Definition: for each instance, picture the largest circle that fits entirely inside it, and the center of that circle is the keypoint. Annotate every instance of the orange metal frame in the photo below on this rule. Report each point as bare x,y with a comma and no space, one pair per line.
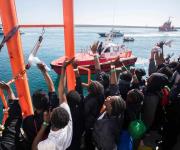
88,71
14,45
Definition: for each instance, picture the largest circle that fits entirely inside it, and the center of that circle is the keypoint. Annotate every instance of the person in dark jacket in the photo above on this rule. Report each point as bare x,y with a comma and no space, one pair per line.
41,102
108,126
172,130
125,83
10,135
92,106
75,101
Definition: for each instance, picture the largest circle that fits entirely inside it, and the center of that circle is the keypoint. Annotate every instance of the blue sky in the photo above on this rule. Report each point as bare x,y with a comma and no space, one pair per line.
117,12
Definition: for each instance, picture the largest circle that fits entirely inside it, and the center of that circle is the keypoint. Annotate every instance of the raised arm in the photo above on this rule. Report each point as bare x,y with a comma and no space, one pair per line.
113,79
78,87
41,132
61,88
7,88
47,78
13,123
94,48
114,88
134,77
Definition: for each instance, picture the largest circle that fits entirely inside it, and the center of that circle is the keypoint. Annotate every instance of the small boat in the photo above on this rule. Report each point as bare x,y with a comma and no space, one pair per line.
128,39
167,27
108,54
112,33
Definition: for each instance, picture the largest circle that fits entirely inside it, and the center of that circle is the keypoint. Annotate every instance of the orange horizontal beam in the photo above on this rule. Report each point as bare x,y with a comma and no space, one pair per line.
41,25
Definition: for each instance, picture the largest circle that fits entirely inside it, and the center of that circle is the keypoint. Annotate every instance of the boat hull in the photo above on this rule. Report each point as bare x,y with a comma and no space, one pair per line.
161,29
112,34
128,40
87,61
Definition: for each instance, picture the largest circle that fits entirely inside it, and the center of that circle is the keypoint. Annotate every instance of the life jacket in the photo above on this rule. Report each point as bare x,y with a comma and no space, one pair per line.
165,92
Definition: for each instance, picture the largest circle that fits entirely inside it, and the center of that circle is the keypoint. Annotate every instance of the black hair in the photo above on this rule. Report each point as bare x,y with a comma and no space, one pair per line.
161,66
172,65
140,73
136,95
126,76
106,81
118,106
96,88
40,100
156,82
59,118
73,98
167,71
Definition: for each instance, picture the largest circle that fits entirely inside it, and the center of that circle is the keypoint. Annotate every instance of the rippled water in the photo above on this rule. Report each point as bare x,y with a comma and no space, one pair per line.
53,47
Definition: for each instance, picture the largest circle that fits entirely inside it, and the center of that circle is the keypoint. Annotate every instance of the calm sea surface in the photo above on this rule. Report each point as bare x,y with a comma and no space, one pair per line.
53,47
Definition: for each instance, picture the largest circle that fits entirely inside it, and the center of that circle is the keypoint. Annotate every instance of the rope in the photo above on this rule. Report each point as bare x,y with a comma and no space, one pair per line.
9,36
17,77
36,47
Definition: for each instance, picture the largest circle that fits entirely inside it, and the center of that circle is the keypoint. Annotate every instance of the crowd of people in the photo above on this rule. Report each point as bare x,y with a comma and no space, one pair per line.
122,110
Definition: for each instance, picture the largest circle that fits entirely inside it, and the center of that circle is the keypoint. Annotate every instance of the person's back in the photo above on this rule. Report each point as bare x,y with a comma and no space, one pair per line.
60,134
125,84
32,124
171,130
76,105
152,99
41,102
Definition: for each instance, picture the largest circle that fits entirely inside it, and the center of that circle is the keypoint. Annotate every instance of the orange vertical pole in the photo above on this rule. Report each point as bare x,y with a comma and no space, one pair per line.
69,39
9,21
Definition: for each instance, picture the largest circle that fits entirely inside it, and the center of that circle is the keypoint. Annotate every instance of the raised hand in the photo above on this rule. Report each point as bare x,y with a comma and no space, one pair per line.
4,86
94,47
132,71
74,64
46,116
67,62
159,58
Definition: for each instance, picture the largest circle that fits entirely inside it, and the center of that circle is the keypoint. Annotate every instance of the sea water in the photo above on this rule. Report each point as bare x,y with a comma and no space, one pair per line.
53,47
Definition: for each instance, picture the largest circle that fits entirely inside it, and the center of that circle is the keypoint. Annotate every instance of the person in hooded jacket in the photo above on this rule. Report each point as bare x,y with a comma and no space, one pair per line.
152,98
172,130
92,106
108,125
10,134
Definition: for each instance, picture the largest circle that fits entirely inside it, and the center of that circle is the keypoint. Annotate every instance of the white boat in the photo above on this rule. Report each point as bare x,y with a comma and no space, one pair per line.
112,33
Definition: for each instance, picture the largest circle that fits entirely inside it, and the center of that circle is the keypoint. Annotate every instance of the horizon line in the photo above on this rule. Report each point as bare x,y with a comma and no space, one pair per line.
116,26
